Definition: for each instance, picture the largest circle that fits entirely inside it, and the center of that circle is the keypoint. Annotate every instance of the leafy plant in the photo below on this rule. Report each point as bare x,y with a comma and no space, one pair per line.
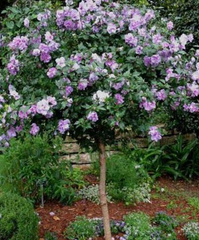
165,222
137,226
50,236
32,168
17,218
91,193
81,229
180,158
194,202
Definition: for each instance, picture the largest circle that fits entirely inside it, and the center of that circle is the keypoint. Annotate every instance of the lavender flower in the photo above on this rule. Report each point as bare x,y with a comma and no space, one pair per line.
43,107
119,99
92,116
154,134
52,72
63,126
34,129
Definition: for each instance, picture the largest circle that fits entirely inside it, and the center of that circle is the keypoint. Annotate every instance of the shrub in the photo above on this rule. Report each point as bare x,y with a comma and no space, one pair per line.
33,163
18,220
191,230
126,179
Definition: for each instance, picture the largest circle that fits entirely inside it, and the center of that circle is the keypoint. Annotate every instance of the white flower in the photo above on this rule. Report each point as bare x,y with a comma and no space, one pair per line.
101,96
61,62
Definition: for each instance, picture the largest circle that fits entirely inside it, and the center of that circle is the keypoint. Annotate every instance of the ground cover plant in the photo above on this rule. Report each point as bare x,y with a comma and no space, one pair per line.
57,78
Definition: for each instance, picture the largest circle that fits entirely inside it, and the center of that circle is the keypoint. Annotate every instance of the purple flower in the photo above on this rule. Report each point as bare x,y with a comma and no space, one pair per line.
52,72
34,129
13,65
111,28
43,107
69,90
36,52
161,95
131,40
138,50
93,77
63,126
148,106
147,61
45,57
155,60
170,25
26,22
193,89
82,84
48,36
154,134
92,116
22,115
20,43
52,101
11,133
119,99
13,92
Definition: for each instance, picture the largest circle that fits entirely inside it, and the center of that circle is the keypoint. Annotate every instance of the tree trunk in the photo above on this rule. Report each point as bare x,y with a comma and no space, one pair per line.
102,191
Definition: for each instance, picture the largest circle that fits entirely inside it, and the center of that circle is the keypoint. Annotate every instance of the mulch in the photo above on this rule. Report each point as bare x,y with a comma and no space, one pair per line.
66,214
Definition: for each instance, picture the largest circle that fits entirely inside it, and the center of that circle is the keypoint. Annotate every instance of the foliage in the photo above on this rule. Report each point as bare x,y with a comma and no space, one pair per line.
166,7
50,236
194,202
137,226
182,158
167,223
126,179
184,122
178,160
81,229
91,193
191,230
76,84
18,220
29,165
186,19
140,193
116,226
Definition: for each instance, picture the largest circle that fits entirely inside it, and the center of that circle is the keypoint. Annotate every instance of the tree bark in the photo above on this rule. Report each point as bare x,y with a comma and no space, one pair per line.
102,192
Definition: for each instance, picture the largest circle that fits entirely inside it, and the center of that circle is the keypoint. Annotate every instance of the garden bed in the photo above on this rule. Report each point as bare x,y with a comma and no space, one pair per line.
170,196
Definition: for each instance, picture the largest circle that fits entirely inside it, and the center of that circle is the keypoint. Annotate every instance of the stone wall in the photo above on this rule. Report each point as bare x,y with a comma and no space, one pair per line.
80,158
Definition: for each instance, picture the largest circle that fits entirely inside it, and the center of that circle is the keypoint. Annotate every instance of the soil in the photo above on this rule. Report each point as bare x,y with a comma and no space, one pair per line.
168,195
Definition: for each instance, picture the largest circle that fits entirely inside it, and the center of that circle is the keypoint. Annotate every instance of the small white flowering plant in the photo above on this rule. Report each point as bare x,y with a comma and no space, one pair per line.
191,230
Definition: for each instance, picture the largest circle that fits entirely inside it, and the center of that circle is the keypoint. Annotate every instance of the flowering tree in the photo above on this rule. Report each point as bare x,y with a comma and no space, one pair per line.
91,70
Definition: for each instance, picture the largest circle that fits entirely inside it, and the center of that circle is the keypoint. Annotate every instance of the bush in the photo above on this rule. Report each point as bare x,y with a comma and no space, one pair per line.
33,163
18,220
126,179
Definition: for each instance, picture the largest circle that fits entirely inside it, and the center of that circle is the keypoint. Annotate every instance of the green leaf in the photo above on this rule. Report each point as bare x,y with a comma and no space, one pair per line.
10,24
